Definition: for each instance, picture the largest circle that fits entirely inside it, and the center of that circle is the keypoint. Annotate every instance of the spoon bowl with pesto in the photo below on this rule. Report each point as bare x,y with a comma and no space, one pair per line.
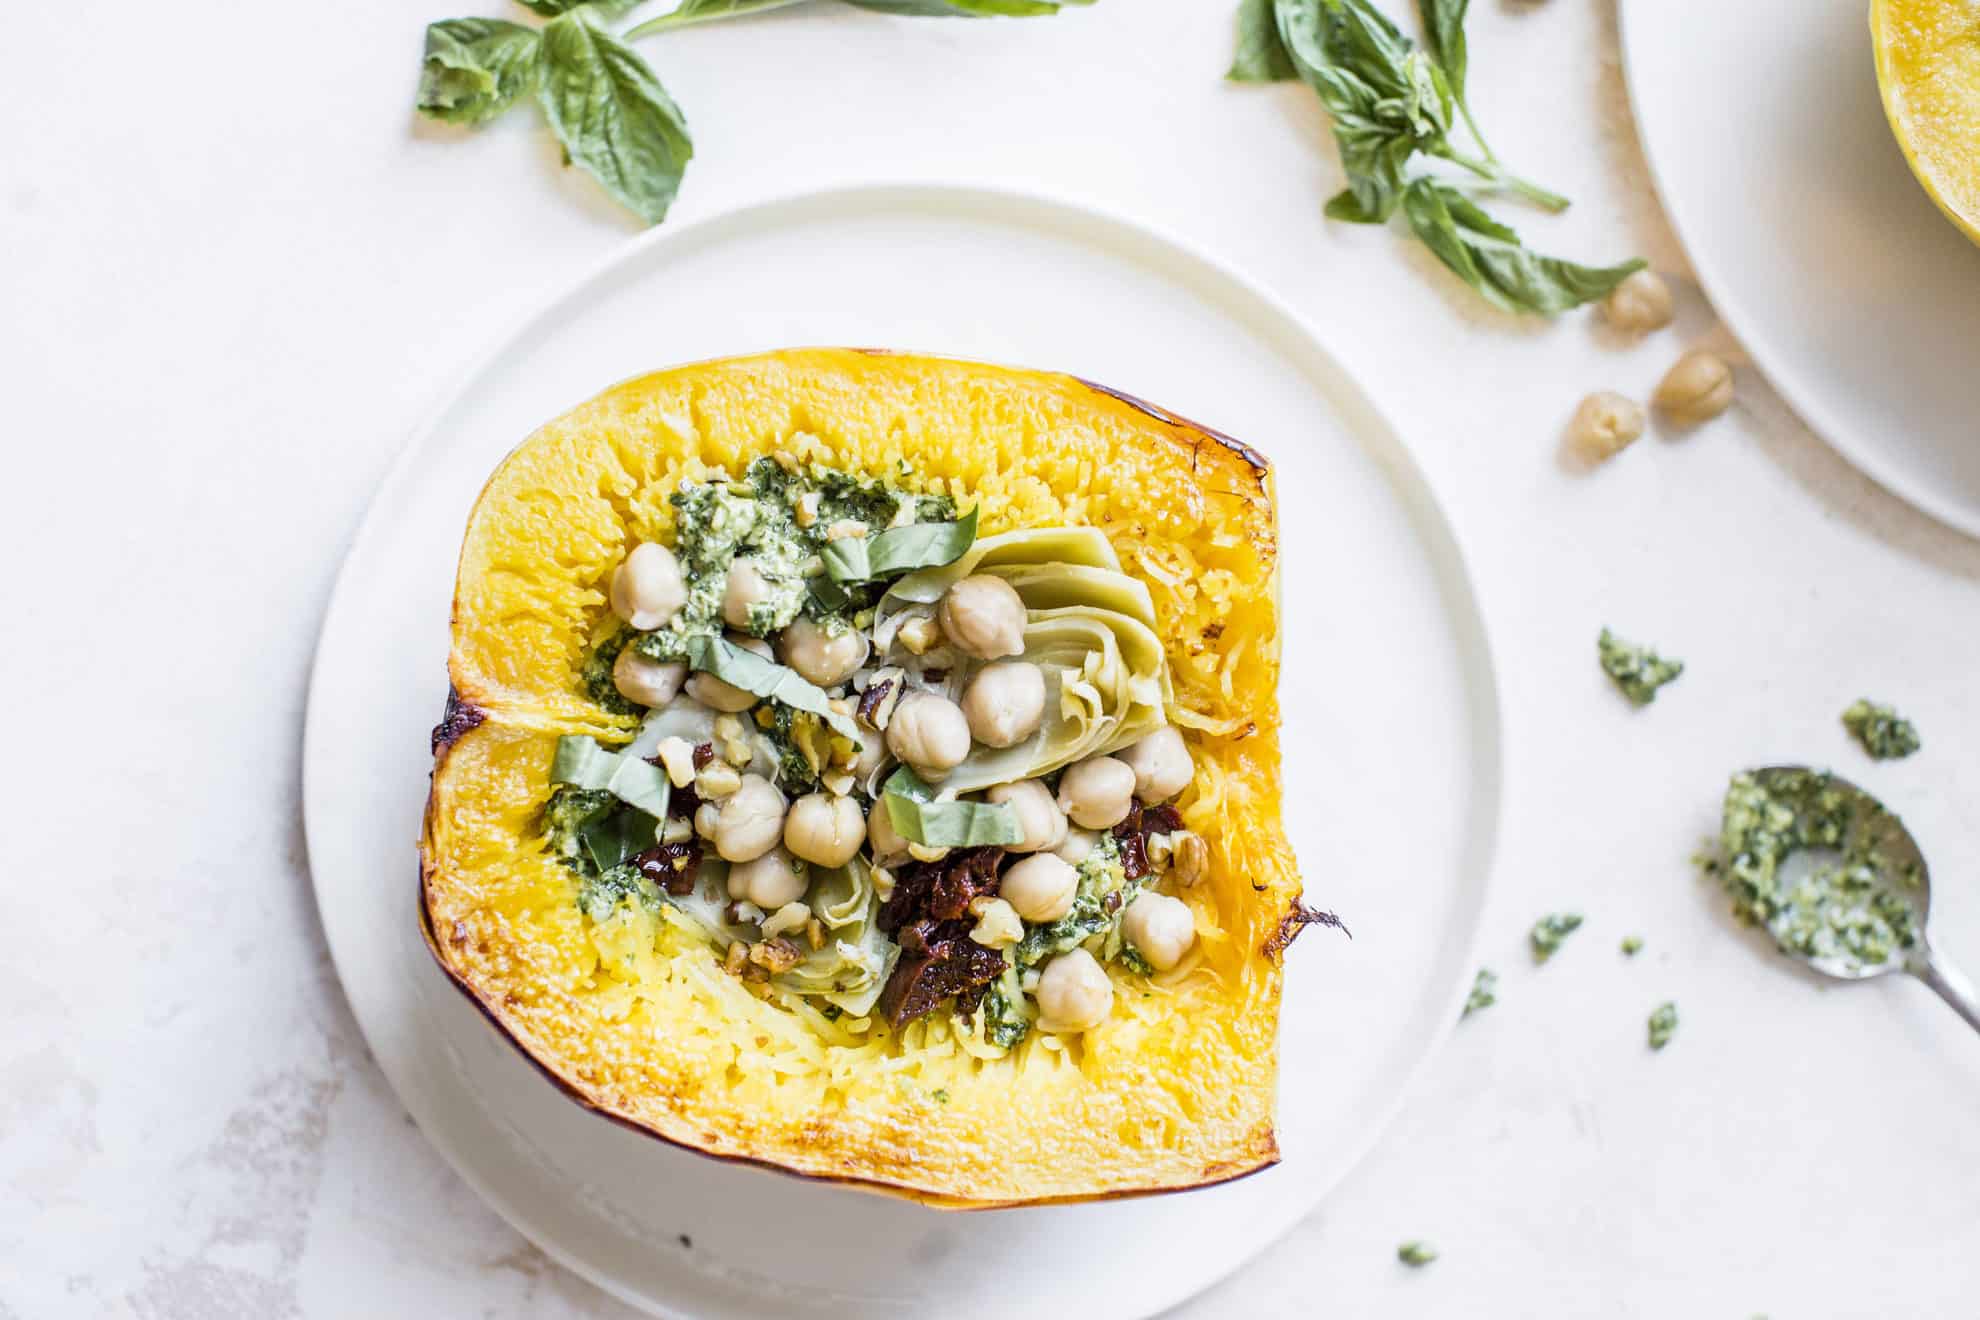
1835,878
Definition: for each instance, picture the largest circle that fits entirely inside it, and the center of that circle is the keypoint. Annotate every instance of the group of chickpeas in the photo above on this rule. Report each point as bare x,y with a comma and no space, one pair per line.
768,842
1696,389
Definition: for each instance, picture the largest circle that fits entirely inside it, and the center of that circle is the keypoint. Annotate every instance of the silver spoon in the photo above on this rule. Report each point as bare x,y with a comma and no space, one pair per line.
1873,830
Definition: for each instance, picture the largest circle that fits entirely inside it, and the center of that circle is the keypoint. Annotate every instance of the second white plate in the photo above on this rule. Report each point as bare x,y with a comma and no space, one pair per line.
1391,740
1859,300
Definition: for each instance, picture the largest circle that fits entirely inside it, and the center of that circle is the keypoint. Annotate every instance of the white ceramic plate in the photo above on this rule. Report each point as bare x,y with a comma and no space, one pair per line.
1391,739
1859,300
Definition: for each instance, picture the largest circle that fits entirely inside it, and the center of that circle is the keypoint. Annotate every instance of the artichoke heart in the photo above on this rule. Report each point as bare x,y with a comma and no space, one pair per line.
572,880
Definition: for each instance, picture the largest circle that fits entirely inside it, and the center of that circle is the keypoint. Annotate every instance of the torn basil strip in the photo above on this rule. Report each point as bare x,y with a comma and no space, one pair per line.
583,762
918,818
899,550
764,678
619,837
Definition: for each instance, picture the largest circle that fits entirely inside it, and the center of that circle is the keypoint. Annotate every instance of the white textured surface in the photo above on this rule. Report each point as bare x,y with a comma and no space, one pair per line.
236,271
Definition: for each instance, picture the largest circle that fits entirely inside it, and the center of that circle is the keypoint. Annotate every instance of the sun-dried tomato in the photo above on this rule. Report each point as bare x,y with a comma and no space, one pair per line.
671,865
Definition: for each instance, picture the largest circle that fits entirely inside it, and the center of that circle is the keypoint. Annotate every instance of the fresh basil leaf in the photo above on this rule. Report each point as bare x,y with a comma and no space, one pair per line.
583,762
899,550
1443,34
917,818
690,12
1488,255
475,68
619,838
612,115
640,783
1261,55
1347,206
1382,99
967,8
552,8
764,678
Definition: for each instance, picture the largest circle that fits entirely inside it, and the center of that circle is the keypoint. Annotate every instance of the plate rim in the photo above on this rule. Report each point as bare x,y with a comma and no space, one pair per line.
1789,383
1458,584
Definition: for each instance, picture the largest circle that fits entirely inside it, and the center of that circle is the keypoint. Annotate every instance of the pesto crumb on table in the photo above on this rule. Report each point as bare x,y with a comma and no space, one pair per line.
1885,734
1636,670
1416,1254
1663,1025
1484,992
1549,932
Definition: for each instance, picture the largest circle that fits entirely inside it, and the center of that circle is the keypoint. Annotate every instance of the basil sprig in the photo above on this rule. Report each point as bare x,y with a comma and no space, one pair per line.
601,98
763,678
1488,256
1392,102
918,818
899,550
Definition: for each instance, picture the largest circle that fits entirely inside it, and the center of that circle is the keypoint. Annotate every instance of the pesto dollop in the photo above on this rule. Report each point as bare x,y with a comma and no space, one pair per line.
1855,905
1663,1025
1549,932
1637,670
1885,734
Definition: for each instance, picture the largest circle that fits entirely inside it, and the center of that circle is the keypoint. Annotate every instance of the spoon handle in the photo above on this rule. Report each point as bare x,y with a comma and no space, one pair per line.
1951,986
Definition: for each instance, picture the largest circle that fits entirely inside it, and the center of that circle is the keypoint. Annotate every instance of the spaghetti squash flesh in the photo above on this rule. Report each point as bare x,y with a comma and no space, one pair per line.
633,1010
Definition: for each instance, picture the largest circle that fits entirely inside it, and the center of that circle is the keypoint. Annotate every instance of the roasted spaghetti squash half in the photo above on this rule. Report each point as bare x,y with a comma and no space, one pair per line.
867,766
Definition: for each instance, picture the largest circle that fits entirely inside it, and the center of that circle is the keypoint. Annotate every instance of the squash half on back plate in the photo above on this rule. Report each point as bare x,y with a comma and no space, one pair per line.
634,1000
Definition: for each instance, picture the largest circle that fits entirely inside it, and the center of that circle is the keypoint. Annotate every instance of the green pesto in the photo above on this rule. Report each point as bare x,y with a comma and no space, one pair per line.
1663,1025
1638,671
1885,734
1100,874
1005,1011
1416,1254
795,775
1632,945
1855,905
1484,992
717,523
1548,933
1131,959
595,679
565,817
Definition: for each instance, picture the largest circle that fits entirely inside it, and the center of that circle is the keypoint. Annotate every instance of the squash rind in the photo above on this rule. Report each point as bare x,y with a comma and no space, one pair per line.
1143,1108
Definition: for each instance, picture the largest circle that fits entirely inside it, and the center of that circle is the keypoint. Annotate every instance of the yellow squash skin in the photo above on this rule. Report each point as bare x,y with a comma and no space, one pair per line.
1928,68
636,1019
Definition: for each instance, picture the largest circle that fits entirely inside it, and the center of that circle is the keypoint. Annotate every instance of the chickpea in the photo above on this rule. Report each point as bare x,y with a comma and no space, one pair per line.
1640,304
1041,887
929,732
1160,928
825,830
647,682
1078,845
648,589
872,751
751,821
1161,764
888,845
1097,793
1605,424
745,588
1698,388
713,693
820,656
984,617
1074,994
997,924
1005,702
770,880
1044,825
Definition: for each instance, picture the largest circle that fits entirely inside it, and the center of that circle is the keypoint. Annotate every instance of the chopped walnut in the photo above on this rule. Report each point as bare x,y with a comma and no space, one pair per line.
846,529
738,954
919,634
778,955
1190,857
